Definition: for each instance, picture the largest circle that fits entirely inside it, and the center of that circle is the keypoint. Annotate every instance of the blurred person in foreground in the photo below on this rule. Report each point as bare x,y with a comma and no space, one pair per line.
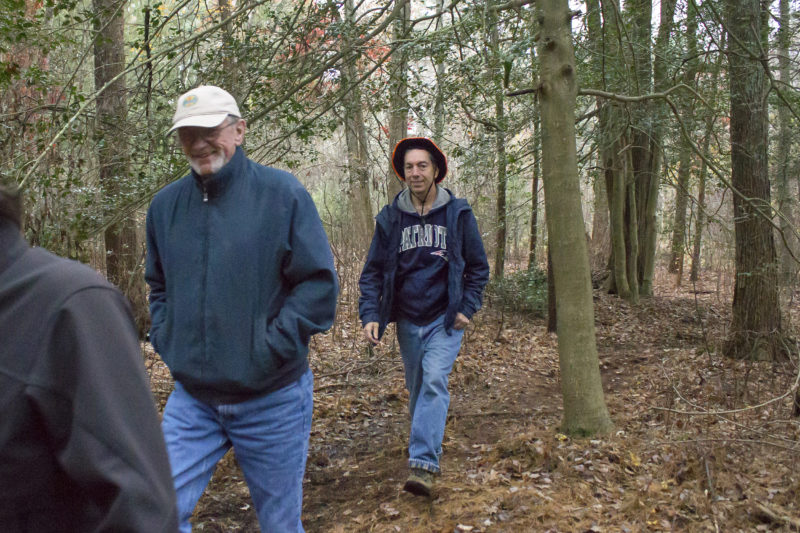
241,276
426,270
80,445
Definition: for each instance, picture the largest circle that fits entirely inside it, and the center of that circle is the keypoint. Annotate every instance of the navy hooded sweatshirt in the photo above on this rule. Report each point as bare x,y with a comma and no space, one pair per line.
467,267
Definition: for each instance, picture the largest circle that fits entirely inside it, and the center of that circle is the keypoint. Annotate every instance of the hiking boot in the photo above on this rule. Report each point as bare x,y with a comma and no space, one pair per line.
420,482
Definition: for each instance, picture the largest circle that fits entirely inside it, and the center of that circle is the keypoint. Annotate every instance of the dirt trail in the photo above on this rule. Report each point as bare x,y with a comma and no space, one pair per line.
506,468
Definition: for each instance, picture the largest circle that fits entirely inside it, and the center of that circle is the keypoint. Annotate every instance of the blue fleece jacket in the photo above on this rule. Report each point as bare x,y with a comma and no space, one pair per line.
468,269
241,275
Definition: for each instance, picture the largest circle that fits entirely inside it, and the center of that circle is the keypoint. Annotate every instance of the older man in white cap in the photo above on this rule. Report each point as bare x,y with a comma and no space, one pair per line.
241,275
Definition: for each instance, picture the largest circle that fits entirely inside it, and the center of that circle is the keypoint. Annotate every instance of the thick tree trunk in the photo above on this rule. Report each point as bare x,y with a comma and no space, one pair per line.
585,410
756,331
123,251
552,313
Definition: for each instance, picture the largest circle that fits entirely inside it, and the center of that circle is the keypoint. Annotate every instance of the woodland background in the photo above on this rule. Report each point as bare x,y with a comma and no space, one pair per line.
632,164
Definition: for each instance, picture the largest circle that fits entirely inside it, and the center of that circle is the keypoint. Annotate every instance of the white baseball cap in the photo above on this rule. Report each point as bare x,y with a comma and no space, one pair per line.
205,106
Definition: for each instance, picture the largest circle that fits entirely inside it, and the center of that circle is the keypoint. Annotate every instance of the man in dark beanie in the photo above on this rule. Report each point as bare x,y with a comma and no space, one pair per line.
426,270
80,445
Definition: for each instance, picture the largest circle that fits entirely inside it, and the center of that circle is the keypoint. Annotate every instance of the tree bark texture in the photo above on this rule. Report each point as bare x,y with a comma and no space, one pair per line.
678,245
500,144
537,163
585,410
535,193
617,186
785,199
398,95
649,179
700,218
756,331
686,151
614,142
601,238
357,151
124,254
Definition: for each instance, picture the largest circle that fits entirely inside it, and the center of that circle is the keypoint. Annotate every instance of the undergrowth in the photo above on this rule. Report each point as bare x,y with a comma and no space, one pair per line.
523,291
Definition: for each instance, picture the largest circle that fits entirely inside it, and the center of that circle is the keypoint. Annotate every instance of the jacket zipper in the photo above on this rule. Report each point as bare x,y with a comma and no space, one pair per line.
204,294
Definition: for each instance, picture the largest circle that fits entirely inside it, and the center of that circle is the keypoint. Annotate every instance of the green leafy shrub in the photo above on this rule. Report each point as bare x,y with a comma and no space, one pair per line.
524,291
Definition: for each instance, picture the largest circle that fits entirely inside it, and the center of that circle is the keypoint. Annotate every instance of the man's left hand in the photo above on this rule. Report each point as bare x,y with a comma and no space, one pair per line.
461,321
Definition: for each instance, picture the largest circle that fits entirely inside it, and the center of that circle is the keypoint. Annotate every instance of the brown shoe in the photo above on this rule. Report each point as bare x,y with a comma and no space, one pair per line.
420,482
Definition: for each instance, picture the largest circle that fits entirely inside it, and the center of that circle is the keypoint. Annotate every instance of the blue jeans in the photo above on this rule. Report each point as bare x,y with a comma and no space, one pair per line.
269,435
428,356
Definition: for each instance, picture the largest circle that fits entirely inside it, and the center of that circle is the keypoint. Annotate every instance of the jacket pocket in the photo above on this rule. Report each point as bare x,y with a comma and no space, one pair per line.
158,331
265,358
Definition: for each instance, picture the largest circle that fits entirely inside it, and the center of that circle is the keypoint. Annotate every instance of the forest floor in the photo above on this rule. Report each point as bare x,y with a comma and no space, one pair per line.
701,443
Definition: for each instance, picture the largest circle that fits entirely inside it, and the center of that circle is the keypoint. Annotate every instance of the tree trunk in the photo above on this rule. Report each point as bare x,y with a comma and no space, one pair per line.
357,150
679,226
614,142
552,314
585,411
785,199
535,194
500,145
632,246
639,15
398,95
678,246
756,331
700,215
537,153
700,219
617,200
650,180
601,235
601,244
123,251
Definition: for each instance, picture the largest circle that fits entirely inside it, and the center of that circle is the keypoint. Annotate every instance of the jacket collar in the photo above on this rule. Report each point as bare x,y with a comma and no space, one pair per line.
389,215
405,204
215,184
12,244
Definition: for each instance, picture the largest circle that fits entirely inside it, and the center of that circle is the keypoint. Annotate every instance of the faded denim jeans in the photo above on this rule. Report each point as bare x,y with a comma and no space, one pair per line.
428,355
269,435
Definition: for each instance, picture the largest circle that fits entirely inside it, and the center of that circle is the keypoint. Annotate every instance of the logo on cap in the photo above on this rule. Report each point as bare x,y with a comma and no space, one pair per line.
190,101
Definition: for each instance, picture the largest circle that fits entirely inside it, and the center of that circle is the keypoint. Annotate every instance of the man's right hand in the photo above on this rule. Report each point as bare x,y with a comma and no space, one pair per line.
371,332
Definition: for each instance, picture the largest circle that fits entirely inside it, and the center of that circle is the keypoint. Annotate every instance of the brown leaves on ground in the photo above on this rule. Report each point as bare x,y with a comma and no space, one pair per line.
701,443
